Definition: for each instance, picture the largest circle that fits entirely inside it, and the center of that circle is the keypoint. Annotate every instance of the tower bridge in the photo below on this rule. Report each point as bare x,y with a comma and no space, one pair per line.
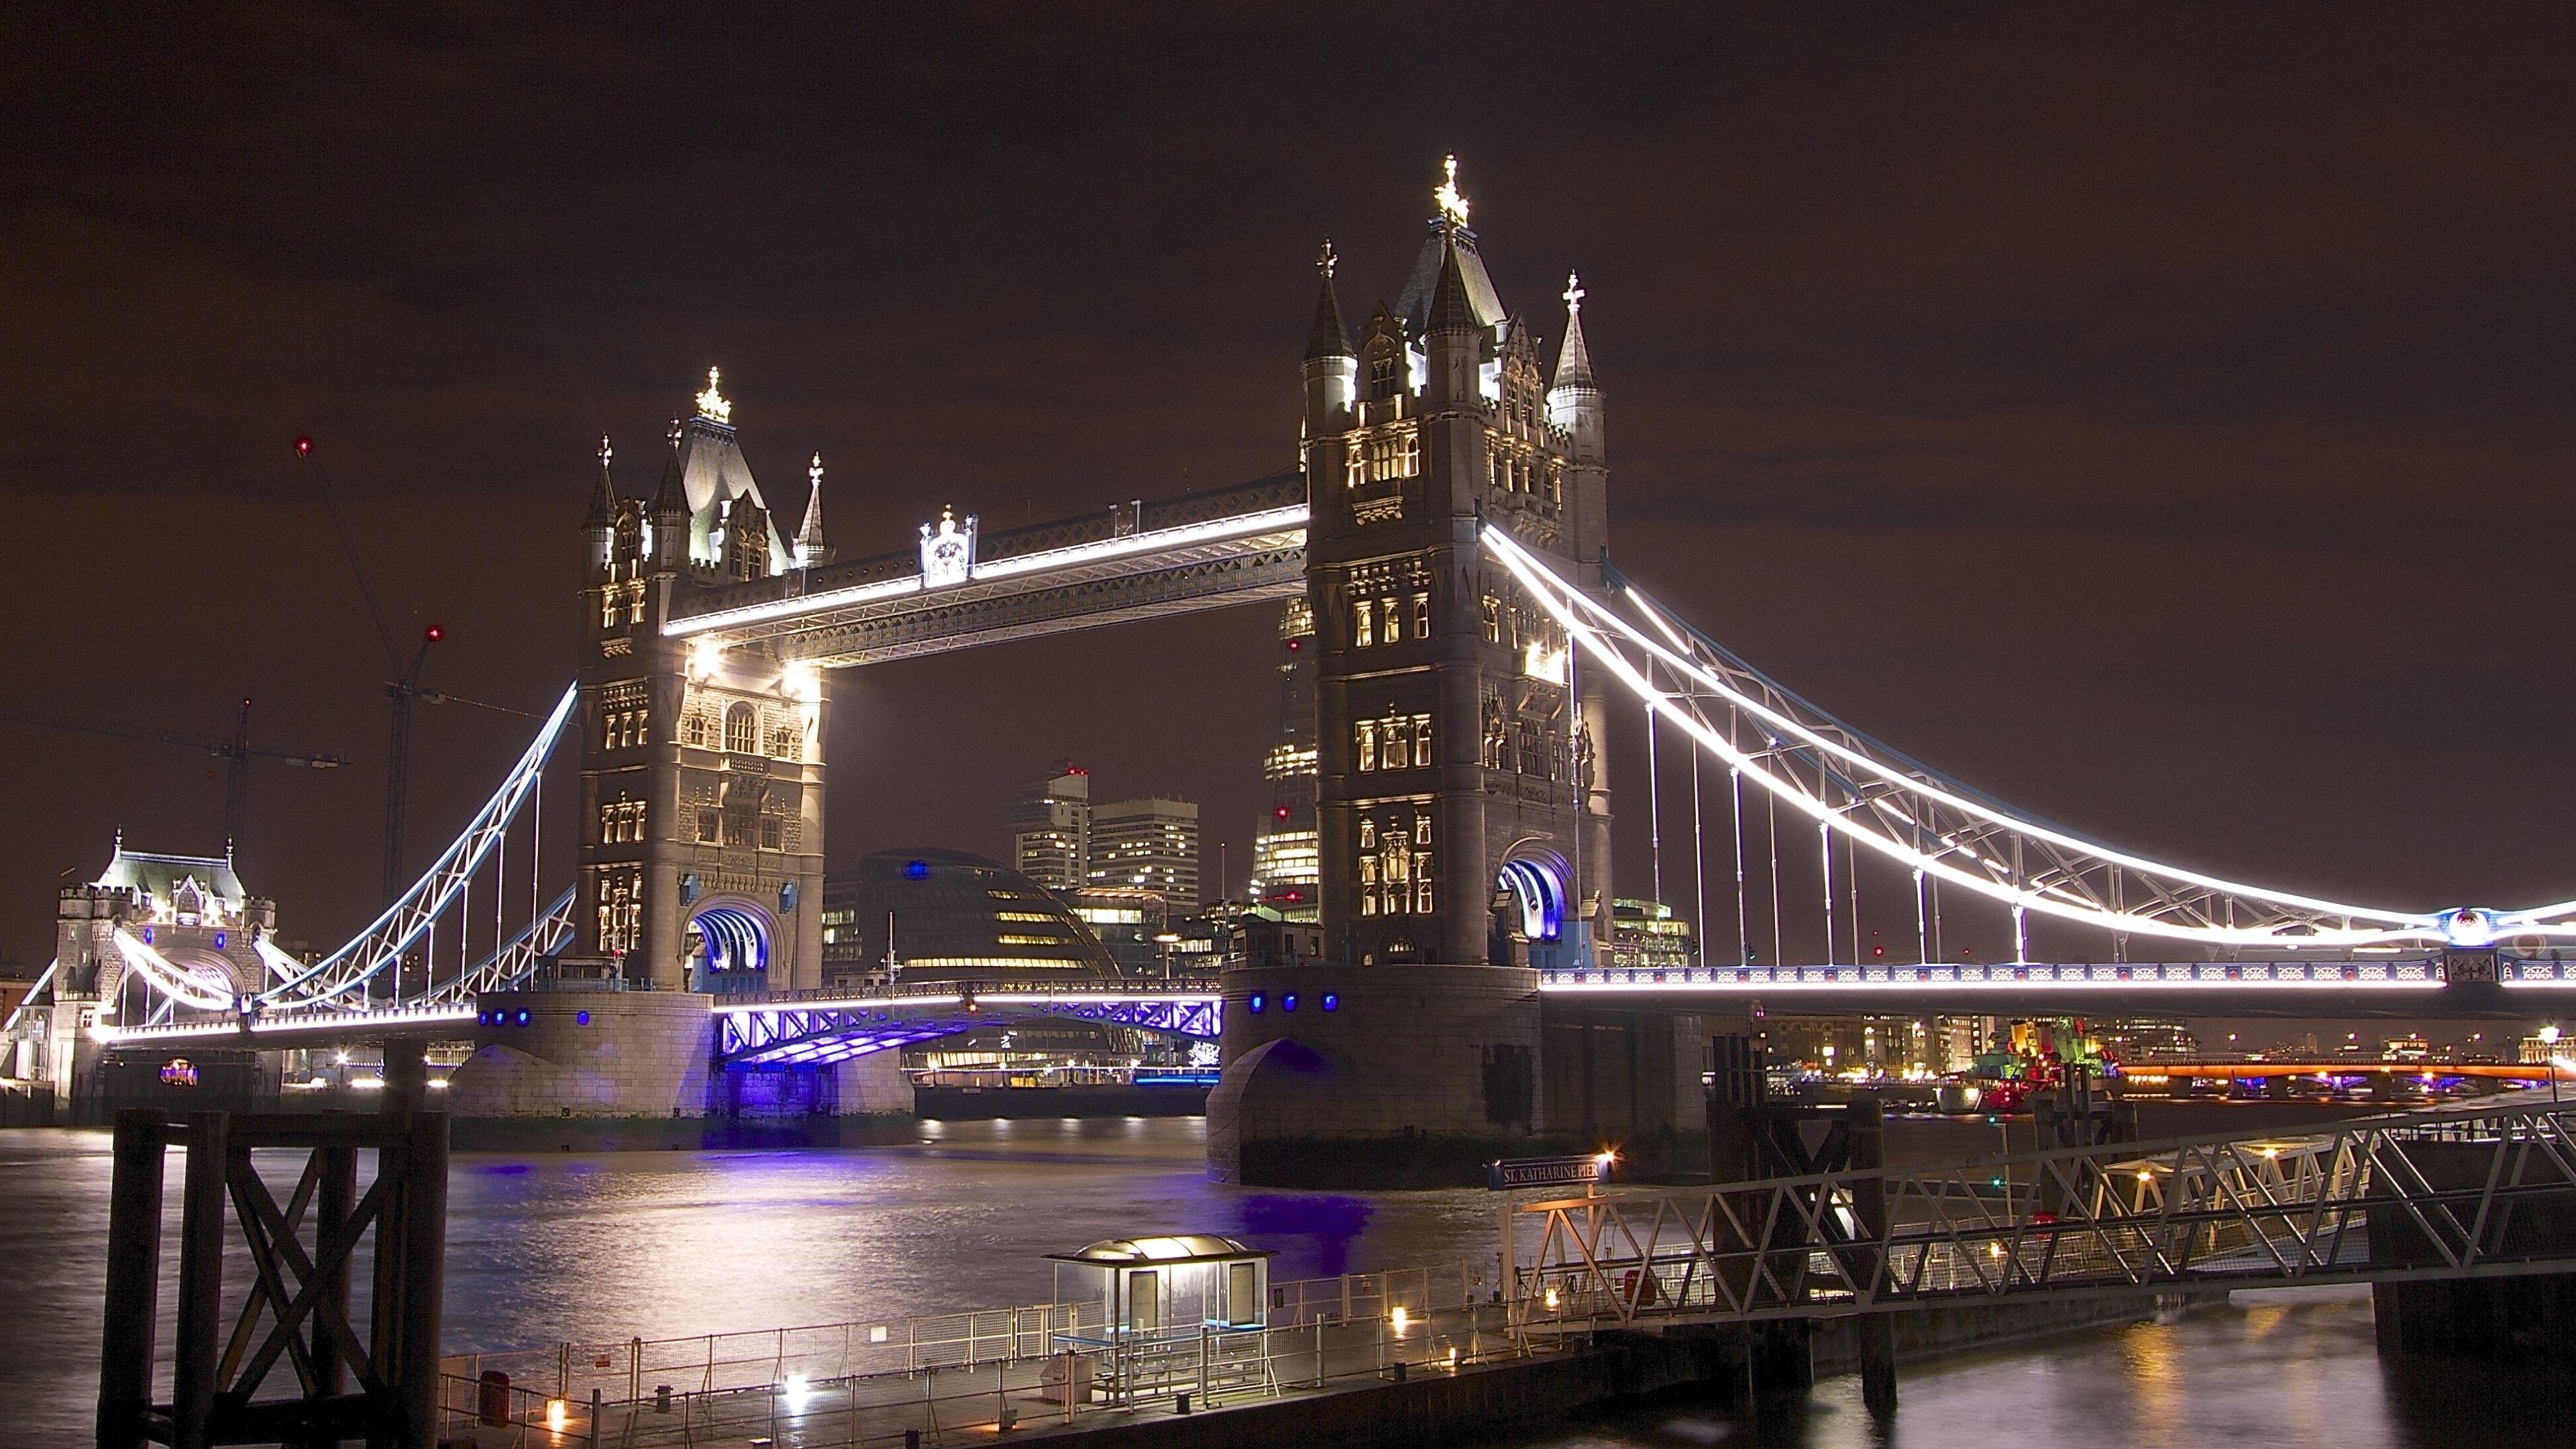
1447,529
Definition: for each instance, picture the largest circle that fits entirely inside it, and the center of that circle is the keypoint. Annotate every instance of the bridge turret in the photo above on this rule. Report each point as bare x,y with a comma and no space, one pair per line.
811,550
1332,368
671,512
1453,339
599,529
1574,405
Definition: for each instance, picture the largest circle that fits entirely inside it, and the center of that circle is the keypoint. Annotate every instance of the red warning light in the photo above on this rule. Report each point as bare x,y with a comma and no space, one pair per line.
304,447
1292,646
1280,811
433,633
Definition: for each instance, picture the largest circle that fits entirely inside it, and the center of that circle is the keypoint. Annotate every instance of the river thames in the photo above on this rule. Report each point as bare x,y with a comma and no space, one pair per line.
604,1246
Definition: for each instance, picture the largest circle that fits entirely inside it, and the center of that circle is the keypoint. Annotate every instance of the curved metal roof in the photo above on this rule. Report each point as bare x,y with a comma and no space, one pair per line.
1173,1248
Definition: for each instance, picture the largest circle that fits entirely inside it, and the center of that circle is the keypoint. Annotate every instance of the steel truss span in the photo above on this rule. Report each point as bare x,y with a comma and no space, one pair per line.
2454,1192
816,1030
1942,830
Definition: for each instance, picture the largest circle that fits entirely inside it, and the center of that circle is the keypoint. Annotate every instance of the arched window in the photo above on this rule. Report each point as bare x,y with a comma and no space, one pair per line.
742,729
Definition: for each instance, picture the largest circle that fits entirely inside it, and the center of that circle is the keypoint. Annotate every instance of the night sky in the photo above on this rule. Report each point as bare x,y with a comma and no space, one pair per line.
2158,416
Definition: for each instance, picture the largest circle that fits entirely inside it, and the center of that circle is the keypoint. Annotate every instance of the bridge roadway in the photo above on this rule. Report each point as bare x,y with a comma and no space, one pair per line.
2405,988
824,1026
808,1028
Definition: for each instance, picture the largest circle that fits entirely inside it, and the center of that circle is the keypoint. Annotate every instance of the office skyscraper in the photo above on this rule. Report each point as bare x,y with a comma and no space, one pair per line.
1150,844
1050,825
1284,856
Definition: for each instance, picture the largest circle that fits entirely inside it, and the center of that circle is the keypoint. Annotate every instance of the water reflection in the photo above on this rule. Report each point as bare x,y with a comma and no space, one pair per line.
600,1247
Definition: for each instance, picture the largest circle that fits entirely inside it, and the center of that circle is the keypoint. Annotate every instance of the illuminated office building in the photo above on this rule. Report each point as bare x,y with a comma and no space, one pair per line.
1148,845
1050,825
1285,861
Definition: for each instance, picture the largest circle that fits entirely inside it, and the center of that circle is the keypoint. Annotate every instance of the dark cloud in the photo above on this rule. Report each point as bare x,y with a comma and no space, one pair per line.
2157,414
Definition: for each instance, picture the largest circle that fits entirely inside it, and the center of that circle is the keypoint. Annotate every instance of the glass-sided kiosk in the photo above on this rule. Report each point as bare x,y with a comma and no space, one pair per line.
1162,1312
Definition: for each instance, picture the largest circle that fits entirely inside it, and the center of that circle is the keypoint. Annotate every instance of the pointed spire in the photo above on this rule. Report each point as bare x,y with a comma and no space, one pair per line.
603,503
1573,361
672,498
1327,339
1451,310
810,547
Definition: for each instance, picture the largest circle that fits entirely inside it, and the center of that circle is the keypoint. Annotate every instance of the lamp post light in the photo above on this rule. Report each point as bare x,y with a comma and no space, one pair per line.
2549,1040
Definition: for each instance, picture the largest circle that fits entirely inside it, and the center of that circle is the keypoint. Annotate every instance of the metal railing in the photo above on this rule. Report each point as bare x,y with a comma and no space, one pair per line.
963,1376
2462,1191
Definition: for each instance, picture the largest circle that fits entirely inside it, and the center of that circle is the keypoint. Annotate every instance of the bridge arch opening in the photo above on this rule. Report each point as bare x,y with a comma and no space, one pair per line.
1530,908
729,945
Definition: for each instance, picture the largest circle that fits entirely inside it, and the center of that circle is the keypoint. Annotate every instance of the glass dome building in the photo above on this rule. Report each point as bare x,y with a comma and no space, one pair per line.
945,915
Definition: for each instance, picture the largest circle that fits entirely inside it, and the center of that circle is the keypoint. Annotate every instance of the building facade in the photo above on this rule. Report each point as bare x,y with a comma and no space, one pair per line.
1286,864
1148,845
1463,806
701,857
1050,825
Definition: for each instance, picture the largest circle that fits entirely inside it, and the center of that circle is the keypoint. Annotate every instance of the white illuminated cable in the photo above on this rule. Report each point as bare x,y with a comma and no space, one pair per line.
1556,591
405,920
1562,602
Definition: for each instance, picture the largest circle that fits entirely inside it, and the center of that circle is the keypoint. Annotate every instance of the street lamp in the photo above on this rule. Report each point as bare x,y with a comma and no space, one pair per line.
2549,1041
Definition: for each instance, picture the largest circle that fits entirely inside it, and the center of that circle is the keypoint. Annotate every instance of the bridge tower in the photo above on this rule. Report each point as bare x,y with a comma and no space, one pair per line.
1462,803
701,829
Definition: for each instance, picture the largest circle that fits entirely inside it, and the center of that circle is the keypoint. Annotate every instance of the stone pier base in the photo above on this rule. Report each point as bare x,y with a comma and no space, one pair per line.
622,1054
1388,1076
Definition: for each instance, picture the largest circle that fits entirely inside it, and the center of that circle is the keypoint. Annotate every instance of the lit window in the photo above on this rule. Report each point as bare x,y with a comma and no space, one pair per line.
1422,830
1422,616
1391,622
1363,622
608,608
1493,620
1421,740
635,604
1367,733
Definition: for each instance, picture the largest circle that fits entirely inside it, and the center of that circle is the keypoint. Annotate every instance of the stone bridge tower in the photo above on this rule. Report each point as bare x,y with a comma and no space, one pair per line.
701,822
1462,800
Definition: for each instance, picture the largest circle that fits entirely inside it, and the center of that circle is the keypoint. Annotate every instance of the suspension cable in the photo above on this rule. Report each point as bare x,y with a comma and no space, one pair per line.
1743,917
1654,801
1851,888
1922,937
1699,863
1779,951
1825,849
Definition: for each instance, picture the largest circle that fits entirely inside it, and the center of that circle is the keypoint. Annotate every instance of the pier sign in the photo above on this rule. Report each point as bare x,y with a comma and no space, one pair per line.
1507,1173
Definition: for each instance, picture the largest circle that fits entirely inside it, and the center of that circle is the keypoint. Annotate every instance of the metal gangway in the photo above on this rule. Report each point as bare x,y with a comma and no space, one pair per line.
2484,1189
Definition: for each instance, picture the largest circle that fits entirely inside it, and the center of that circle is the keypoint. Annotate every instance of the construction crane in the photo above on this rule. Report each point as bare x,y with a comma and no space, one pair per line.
404,690
237,753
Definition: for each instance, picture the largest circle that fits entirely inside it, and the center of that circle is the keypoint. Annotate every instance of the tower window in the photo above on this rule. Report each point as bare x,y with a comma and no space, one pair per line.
1422,616
742,730
693,730
1390,621
1366,739
1363,623
710,827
